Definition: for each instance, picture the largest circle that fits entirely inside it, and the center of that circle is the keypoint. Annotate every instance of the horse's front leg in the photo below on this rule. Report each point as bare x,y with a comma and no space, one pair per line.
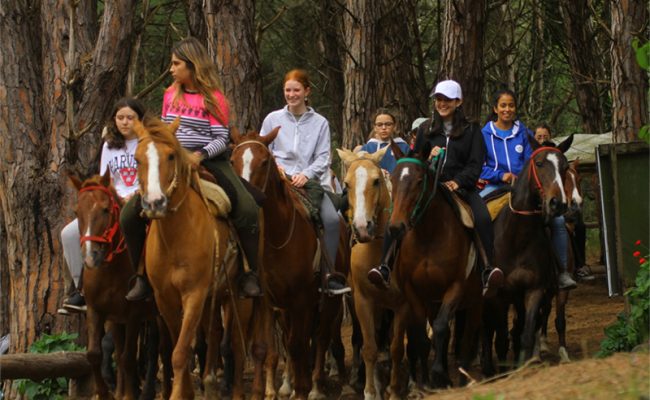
95,326
532,302
469,340
366,311
396,351
329,315
560,323
127,360
441,334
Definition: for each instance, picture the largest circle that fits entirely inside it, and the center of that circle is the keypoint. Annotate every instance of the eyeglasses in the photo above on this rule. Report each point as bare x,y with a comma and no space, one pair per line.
384,124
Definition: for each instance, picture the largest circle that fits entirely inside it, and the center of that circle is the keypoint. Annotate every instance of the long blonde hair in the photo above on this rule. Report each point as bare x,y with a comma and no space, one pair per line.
204,76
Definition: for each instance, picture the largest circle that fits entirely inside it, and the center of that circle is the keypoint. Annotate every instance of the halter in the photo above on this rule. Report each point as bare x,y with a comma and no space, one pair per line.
420,208
268,165
110,231
538,185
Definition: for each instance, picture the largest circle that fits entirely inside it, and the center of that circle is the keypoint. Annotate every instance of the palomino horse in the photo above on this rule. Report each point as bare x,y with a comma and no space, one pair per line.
370,204
574,198
435,265
185,250
288,276
107,269
524,252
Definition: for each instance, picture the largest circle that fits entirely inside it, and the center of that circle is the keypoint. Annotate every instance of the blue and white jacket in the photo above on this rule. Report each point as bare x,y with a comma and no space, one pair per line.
388,162
507,154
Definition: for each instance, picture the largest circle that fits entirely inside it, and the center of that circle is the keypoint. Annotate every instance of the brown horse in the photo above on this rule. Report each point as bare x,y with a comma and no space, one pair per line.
290,262
107,270
574,198
370,204
435,265
188,252
524,253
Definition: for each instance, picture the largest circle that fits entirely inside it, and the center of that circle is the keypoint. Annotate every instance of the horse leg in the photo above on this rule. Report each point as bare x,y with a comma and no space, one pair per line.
517,328
396,350
417,352
241,313
441,334
560,323
95,326
212,333
357,371
151,350
487,339
545,312
329,318
128,360
366,312
108,348
165,349
469,338
299,353
501,335
533,300
118,331
259,346
272,357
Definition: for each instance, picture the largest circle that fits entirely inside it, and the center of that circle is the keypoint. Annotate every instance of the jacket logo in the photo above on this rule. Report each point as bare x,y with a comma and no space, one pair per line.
519,148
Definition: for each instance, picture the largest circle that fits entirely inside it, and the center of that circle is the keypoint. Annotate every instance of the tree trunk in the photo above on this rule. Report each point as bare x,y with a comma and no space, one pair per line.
70,364
231,43
462,51
629,81
33,144
582,59
195,20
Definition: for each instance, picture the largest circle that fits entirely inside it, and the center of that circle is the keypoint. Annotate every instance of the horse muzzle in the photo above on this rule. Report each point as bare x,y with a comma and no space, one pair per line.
154,208
94,257
555,207
364,233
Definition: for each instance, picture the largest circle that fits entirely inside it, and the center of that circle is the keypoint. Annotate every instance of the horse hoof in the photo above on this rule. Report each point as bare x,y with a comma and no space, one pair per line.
316,395
543,346
285,390
564,355
210,387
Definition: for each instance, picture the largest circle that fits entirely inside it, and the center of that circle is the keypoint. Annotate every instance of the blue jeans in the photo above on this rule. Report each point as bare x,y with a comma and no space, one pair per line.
489,188
560,239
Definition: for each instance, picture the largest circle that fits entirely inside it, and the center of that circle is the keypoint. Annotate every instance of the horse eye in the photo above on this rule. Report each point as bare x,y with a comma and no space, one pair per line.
171,157
105,210
375,183
539,163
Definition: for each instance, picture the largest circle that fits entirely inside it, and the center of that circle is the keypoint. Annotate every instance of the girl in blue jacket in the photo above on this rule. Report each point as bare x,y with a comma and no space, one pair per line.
506,142
384,130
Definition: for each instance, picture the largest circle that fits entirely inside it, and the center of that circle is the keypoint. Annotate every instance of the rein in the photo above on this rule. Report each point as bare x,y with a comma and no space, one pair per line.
109,233
421,204
538,185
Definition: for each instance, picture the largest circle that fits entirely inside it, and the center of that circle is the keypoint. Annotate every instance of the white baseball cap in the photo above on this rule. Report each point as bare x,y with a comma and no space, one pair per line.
450,89
416,124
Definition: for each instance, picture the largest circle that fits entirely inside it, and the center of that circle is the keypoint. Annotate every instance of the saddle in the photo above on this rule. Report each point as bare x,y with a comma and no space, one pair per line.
461,208
215,198
496,200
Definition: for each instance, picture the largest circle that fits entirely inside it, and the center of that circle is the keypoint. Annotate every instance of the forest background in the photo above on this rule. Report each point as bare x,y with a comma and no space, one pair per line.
63,63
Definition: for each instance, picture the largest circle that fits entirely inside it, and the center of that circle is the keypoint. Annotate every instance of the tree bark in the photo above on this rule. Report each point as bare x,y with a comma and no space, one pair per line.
41,366
195,20
582,59
629,82
231,42
35,142
462,51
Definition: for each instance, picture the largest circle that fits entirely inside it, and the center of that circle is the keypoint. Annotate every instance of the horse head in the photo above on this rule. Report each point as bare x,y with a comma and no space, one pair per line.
572,189
98,212
541,182
367,191
251,158
412,182
162,165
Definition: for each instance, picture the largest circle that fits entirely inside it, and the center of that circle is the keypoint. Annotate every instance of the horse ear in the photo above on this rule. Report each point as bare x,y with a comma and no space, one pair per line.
106,178
377,156
139,129
75,181
235,136
175,124
397,152
575,163
424,152
566,143
533,143
270,137
347,156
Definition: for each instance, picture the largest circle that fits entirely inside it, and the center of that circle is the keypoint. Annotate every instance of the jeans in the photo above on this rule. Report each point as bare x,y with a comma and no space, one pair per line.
560,239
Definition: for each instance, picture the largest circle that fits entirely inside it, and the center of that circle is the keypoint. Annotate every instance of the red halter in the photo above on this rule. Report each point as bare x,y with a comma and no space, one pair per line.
110,231
538,184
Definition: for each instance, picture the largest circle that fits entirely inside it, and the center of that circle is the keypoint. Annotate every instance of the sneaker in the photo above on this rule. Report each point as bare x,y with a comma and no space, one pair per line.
336,287
380,276
249,285
75,303
584,274
564,281
492,280
141,289
63,311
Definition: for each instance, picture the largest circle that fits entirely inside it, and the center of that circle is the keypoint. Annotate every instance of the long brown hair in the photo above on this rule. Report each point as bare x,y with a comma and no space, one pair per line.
114,139
204,76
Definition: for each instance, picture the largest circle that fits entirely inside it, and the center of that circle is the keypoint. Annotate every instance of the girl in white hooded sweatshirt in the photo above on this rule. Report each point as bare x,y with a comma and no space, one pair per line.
302,152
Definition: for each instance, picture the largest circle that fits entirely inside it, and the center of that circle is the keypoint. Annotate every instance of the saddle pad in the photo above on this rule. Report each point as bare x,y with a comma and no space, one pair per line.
495,204
215,198
463,209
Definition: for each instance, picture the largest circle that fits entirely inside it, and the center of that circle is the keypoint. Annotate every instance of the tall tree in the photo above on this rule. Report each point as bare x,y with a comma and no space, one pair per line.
51,120
195,19
462,50
583,62
629,82
231,42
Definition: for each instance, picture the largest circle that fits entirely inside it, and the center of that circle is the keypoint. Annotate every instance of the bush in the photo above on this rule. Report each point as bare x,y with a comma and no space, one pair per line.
49,389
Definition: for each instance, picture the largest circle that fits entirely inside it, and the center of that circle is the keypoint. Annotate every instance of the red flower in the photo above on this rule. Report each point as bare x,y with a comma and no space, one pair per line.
638,242
641,260
637,254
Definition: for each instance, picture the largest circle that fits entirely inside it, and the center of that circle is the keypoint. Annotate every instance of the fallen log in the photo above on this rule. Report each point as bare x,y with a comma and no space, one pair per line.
36,367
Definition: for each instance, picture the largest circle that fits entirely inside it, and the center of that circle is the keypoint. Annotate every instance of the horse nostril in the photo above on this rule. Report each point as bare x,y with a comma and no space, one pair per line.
370,227
160,203
553,204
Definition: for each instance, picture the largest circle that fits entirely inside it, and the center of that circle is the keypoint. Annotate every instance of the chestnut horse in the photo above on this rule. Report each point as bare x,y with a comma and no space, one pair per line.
370,205
290,263
188,251
107,269
435,264
524,252
574,198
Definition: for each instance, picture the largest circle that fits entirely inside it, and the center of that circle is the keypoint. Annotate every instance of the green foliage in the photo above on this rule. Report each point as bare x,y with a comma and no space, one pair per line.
633,328
49,388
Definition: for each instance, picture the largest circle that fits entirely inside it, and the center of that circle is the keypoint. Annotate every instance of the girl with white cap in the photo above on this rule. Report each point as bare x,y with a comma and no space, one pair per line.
463,159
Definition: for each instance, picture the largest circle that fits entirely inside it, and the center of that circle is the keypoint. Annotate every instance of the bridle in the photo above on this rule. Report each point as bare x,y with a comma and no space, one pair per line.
532,171
421,204
111,230
378,208
268,164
